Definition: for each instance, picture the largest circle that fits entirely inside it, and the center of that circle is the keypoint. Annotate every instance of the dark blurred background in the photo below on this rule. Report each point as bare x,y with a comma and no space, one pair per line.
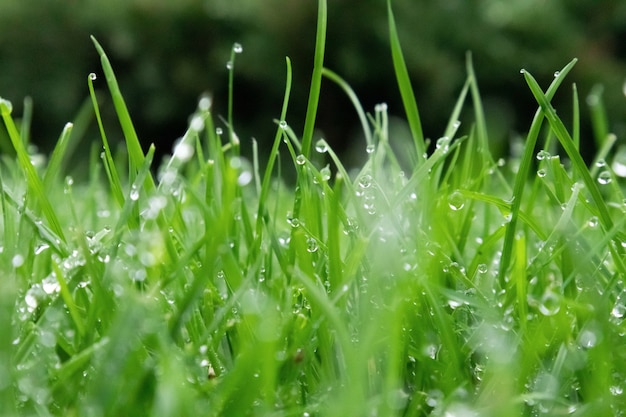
167,53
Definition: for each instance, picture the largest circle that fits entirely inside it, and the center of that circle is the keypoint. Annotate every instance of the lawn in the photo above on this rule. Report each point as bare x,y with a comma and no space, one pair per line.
433,280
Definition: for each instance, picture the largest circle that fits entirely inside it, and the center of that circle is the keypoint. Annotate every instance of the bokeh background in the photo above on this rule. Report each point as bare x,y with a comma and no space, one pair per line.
167,53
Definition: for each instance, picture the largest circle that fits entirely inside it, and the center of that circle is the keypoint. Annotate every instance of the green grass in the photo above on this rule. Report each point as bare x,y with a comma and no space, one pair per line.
431,281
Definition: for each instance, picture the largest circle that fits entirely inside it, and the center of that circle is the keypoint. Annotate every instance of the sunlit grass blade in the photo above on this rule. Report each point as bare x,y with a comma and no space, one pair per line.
406,89
135,153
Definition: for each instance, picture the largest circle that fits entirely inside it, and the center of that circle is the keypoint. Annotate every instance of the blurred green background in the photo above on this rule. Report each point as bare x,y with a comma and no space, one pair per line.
167,53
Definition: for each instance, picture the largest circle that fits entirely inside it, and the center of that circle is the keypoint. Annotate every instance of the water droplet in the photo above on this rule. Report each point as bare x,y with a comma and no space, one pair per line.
6,107
325,173
134,193
17,261
321,146
557,73
183,151
482,268
205,102
370,148
237,48
604,177
541,155
300,159
618,310
550,303
40,248
380,108
616,390
229,65
522,71
541,173
593,221
443,143
283,124
50,285
456,201
244,169
311,245
600,163
293,221
197,123
587,338
365,181
31,299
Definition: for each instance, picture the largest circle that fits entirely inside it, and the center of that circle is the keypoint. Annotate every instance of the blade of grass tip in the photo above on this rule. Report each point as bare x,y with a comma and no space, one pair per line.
404,84
453,122
109,164
522,173
575,117
566,141
599,120
600,159
236,49
54,165
267,177
34,182
479,112
316,78
355,102
135,153
27,117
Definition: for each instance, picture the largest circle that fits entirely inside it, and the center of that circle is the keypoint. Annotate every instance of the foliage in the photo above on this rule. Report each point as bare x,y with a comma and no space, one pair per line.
444,283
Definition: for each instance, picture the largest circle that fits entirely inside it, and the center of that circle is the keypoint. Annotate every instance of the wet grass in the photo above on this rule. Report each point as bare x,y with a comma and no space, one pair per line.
432,281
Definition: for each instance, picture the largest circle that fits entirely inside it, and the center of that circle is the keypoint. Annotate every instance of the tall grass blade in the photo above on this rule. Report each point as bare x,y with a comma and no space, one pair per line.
135,153
523,171
406,89
316,79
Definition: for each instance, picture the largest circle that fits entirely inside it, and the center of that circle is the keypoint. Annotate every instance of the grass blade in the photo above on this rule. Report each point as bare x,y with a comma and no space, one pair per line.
316,79
404,84
523,171
135,153
35,184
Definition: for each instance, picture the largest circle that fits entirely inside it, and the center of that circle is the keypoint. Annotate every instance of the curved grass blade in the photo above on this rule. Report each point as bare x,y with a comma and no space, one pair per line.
354,99
522,173
135,153
570,148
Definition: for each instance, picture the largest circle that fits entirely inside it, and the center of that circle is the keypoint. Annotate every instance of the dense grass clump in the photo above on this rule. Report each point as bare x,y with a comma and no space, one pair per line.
434,280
